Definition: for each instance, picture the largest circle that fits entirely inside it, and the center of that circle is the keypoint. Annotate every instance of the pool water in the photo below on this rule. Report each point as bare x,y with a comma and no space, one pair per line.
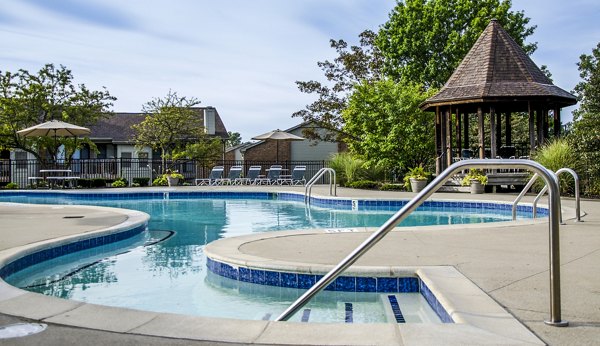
171,275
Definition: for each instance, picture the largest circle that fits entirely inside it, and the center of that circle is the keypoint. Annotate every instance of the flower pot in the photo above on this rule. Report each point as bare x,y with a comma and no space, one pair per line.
477,187
172,181
416,185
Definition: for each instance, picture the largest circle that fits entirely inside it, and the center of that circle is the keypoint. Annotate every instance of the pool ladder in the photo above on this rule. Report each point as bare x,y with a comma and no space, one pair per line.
544,190
313,180
554,209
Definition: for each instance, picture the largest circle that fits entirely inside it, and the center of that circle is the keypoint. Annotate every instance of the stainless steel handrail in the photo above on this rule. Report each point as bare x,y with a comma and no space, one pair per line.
313,180
522,194
548,176
577,196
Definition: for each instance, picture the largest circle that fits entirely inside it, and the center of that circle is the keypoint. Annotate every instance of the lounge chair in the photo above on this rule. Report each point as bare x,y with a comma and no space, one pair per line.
251,176
273,174
215,175
234,173
296,178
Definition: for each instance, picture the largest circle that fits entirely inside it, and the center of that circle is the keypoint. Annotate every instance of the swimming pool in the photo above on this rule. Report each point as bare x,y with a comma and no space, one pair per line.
137,275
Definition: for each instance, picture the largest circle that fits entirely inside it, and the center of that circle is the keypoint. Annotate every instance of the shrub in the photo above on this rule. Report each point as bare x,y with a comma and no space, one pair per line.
141,181
12,186
98,182
555,155
161,180
364,184
119,183
347,167
391,187
135,185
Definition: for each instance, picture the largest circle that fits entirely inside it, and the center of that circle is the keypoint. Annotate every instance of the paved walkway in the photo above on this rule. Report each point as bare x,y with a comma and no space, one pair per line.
508,262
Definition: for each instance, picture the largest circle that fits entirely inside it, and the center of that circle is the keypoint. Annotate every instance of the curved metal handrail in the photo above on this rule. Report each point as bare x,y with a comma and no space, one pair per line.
577,196
522,194
313,180
548,176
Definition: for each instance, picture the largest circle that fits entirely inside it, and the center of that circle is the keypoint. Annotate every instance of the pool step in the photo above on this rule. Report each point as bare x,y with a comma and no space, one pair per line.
393,304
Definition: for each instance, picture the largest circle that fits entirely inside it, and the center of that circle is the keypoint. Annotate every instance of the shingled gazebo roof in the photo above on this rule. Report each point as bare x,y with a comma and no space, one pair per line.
497,70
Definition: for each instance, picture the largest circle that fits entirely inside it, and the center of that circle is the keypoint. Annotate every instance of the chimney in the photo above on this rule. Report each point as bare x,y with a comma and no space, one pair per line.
209,120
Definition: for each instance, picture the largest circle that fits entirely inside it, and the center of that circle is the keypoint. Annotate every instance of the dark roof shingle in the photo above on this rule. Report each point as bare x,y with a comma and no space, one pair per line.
495,68
117,128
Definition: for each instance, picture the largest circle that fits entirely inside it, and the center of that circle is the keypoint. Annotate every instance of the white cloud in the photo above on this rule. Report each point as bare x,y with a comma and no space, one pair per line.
242,57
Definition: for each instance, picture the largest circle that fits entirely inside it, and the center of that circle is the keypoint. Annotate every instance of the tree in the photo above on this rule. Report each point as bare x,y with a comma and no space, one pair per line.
29,99
392,131
425,40
234,139
352,66
585,134
173,127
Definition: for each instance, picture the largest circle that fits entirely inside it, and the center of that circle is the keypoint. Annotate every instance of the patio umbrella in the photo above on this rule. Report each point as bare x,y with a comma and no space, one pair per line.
277,136
54,128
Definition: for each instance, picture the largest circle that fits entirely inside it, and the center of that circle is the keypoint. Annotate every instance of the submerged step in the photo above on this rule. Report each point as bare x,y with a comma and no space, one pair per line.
349,316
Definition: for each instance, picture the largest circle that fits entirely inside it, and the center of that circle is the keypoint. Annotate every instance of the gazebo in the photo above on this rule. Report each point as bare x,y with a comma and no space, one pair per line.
497,78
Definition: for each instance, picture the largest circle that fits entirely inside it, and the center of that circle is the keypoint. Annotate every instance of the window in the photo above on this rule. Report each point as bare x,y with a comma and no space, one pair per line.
126,159
142,159
21,159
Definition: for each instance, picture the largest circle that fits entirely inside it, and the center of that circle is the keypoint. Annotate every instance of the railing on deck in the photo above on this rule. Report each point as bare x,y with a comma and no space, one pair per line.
18,171
554,225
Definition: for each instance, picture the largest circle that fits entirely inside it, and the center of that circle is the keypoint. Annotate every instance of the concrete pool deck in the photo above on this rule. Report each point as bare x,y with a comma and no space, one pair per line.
508,262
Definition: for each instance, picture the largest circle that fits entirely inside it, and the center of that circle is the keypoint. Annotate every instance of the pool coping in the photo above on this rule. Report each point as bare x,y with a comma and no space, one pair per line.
466,303
16,302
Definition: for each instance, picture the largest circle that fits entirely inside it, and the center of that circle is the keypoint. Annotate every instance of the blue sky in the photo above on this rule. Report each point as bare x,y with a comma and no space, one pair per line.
242,57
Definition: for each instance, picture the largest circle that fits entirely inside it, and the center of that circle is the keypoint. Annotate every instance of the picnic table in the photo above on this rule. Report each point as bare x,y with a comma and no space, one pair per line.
55,177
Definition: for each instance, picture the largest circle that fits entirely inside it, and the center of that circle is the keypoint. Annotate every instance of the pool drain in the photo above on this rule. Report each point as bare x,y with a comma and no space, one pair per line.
18,330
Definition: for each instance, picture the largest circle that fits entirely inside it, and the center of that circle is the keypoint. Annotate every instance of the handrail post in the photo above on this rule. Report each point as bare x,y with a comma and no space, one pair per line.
522,194
554,256
313,180
577,196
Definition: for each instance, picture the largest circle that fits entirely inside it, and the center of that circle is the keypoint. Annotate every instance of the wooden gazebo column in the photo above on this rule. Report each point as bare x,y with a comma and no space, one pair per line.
557,128
531,128
459,145
480,133
466,144
438,141
493,129
508,129
448,115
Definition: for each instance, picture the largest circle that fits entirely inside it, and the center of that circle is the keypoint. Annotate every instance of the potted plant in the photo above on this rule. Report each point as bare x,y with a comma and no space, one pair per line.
173,177
476,179
416,178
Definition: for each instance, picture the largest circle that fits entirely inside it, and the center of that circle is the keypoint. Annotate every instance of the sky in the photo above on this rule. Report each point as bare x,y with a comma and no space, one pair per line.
241,57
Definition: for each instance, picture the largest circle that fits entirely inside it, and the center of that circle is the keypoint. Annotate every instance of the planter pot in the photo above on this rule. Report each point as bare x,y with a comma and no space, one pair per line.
416,185
172,181
477,187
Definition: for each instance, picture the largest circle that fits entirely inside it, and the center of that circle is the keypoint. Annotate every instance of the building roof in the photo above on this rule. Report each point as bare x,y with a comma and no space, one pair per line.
117,128
496,69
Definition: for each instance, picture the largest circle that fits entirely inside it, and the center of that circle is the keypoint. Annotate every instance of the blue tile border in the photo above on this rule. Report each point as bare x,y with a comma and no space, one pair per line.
302,281
341,284
434,303
333,203
78,245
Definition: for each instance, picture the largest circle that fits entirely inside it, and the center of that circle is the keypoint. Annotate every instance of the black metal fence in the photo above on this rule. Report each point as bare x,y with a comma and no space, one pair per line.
25,172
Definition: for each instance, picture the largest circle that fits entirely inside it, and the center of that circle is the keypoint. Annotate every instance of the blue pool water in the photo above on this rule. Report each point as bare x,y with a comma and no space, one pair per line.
171,276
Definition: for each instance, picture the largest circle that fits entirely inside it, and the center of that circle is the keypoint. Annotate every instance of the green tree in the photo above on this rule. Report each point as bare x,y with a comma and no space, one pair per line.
173,127
29,99
353,65
234,139
392,131
425,40
585,134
